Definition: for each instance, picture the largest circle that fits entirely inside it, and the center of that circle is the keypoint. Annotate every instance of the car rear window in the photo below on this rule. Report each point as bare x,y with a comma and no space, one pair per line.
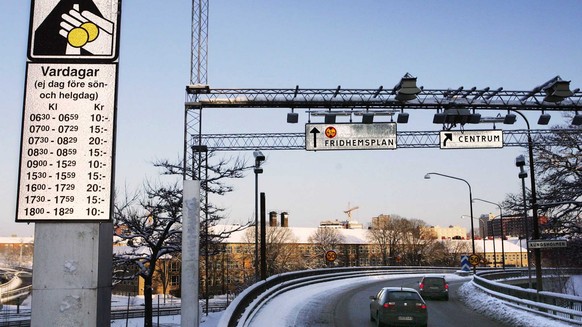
434,282
402,296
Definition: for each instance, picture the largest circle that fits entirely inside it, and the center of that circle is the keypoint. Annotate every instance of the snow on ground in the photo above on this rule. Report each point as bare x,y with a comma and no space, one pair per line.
283,310
495,308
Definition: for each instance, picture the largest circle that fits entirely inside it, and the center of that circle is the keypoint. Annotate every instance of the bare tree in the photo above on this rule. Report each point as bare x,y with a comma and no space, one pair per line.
417,240
150,228
387,232
149,223
322,240
558,173
281,251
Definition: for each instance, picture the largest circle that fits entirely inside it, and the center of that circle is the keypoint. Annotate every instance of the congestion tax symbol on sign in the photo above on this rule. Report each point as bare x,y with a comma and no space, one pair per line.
330,132
74,29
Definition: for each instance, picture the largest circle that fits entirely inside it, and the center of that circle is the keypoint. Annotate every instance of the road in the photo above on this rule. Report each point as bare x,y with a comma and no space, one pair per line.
351,308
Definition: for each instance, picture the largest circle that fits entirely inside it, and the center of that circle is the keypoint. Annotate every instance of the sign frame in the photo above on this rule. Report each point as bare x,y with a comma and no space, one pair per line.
68,123
546,244
471,139
65,31
350,136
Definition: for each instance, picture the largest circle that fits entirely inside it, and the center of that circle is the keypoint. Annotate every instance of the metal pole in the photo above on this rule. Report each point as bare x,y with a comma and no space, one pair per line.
207,263
427,176
526,233
536,228
484,251
493,231
256,226
502,239
483,236
263,238
494,252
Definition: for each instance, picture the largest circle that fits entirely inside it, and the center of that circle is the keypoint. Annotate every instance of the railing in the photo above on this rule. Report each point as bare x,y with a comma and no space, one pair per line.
11,290
564,307
246,304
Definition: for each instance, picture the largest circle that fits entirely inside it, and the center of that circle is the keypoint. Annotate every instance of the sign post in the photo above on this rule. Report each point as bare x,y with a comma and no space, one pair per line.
67,156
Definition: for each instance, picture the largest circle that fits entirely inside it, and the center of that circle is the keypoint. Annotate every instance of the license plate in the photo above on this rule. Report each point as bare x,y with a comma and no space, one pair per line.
404,318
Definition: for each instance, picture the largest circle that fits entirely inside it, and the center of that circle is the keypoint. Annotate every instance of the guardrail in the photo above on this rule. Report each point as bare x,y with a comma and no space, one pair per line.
246,304
12,289
564,307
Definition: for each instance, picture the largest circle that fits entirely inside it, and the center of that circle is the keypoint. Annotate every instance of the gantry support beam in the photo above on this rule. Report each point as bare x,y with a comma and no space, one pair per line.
296,141
200,97
486,99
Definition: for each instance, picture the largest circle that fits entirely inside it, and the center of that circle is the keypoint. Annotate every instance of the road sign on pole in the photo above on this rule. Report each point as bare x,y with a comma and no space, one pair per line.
74,30
330,256
544,244
465,266
66,158
474,260
471,139
378,136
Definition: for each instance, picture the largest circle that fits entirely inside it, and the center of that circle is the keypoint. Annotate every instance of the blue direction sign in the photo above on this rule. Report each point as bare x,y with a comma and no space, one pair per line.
465,266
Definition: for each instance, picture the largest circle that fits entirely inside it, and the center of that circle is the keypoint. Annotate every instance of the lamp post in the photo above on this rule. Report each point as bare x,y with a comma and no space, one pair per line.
482,232
259,157
482,223
520,162
502,234
534,205
427,176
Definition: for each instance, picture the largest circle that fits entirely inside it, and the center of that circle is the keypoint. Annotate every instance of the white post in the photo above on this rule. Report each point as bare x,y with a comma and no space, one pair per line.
71,284
190,253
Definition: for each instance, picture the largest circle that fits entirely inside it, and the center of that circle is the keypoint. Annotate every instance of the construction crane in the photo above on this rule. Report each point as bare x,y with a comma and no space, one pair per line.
349,212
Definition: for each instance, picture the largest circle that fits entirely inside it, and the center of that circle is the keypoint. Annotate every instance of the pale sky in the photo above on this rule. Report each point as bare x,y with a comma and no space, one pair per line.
516,45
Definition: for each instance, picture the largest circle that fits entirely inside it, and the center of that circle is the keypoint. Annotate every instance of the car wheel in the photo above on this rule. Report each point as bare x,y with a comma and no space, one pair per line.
446,297
371,316
378,322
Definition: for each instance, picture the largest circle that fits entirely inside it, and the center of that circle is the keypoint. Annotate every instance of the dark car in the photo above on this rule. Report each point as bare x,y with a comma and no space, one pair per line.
434,287
398,306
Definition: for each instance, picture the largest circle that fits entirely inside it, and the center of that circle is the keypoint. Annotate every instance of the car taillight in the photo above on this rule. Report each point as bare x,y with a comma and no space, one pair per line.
389,305
421,306
446,286
421,286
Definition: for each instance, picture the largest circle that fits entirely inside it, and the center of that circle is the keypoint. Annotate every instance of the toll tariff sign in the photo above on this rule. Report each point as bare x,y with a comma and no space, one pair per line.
67,143
69,30
471,139
378,136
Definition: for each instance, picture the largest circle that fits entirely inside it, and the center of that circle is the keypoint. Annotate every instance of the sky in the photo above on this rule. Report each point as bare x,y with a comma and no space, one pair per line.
516,45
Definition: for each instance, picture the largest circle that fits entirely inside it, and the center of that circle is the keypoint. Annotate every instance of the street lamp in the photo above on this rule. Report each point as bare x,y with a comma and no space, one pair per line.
520,162
502,234
482,228
534,205
259,157
427,176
